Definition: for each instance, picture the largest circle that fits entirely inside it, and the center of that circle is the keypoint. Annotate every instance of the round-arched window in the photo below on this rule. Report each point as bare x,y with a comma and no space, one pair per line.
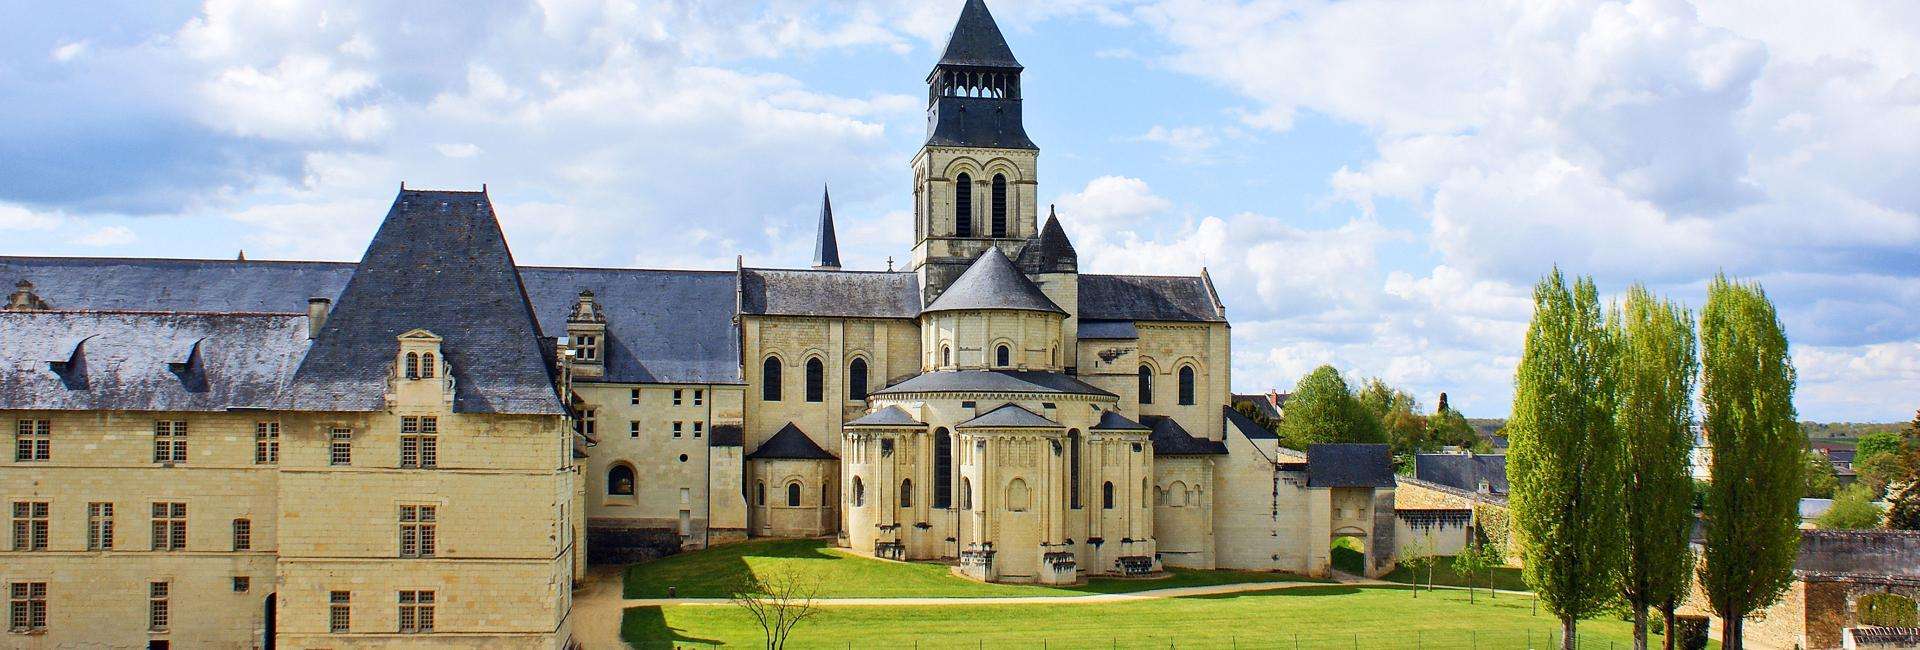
1003,356
620,480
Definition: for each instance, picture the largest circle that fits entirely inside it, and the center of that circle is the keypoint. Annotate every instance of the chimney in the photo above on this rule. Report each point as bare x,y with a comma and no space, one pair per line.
317,315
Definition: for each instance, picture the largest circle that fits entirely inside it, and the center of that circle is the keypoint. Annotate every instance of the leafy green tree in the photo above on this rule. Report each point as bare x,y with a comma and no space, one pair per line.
1417,556
1448,427
1471,560
1879,472
1905,513
1853,509
1563,462
1394,411
1875,444
1752,514
1657,373
1323,410
1820,480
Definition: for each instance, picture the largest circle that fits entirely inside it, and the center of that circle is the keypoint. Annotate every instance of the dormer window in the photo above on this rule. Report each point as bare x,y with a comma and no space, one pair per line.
419,356
587,348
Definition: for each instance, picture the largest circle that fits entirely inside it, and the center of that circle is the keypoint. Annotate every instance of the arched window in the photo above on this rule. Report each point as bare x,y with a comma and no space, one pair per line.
859,493
1186,385
426,365
413,365
1018,498
1073,468
906,493
966,494
857,380
770,379
1003,356
942,469
946,356
1106,495
963,206
793,494
816,380
760,493
999,205
620,481
1146,384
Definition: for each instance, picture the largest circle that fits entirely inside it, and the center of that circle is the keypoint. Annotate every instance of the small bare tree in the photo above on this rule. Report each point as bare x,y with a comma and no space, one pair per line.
1417,556
778,602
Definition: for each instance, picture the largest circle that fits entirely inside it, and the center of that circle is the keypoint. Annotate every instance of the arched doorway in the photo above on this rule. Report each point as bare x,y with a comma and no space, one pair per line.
1348,551
267,629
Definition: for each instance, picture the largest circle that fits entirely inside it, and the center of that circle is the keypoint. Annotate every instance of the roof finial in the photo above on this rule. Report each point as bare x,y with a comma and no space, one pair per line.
826,247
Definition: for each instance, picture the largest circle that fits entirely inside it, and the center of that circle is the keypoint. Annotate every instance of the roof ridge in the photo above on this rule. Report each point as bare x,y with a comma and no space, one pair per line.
155,312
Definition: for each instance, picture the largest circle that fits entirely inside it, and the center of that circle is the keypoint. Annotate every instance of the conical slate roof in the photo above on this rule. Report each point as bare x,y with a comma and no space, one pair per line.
892,416
826,247
992,282
1009,416
1052,252
976,40
790,443
439,262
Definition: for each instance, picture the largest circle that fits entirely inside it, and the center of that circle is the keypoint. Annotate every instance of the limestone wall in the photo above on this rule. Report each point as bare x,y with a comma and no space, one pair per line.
1183,510
636,425
891,349
1166,347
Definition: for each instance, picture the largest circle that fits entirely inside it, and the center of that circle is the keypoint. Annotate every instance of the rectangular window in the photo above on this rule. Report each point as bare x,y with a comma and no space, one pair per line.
241,584
634,396
417,523
698,427
169,526
30,525
169,441
419,441
99,526
339,611
266,443
340,447
633,428
699,395
416,612
589,348
27,606
157,615
33,441
676,429
676,397
585,425
243,534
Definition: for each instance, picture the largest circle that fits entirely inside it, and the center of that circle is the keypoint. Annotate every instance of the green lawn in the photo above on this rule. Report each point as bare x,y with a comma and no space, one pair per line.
714,572
1323,616
1443,574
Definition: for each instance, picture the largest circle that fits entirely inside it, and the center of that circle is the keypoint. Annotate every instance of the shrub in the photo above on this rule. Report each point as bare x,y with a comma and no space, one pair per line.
1692,632
1888,610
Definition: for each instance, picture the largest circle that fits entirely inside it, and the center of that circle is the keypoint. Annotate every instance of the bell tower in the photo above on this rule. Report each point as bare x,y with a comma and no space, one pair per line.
975,180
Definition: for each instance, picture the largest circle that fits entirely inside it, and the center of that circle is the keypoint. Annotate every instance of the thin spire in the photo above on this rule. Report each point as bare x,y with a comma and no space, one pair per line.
976,40
826,247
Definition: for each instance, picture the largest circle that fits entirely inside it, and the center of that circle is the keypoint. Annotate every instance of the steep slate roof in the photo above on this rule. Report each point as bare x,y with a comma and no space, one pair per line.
992,381
847,294
891,416
1121,330
439,262
992,282
135,284
1009,416
1349,465
1170,439
976,40
1463,471
1141,297
1247,427
790,443
665,327
826,247
1114,421
1051,252
226,360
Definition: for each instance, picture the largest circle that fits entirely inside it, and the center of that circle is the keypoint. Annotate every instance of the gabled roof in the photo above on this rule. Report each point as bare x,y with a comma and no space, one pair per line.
1170,439
790,443
146,361
1349,465
1009,416
976,40
992,282
1114,421
846,294
1463,471
992,381
826,247
891,416
1247,427
438,262
1144,297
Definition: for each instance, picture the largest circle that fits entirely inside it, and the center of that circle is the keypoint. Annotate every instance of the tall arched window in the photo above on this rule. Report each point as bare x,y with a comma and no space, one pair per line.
942,469
793,494
946,356
620,481
859,493
1106,495
1186,385
857,380
906,493
770,379
816,380
1146,384
760,493
426,365
966,494
963,206
1073,468
413,365
999,205
1003,356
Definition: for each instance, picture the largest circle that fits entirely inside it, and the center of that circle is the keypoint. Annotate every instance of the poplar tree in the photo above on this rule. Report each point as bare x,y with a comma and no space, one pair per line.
1657,370
1752,505
1564,456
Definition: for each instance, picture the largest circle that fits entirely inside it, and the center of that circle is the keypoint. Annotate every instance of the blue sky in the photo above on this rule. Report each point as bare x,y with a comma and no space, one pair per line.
1373,185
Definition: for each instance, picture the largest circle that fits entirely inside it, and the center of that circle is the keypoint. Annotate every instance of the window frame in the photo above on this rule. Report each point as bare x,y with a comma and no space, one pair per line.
633,480
416,611
339,447
794,490
419,441
33,440
816,388
1146,384
771,374
169,529
31,521
26,607
266,442
100,526
419,530
242,534
159,605
170,442
963,205
1188,380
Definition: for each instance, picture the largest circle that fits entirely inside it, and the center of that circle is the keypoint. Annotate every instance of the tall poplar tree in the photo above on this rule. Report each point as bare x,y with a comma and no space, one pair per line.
1752,514
1657,370
1563,461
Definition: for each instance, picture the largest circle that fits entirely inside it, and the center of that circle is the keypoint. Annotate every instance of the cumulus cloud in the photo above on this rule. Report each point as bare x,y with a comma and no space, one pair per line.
107,236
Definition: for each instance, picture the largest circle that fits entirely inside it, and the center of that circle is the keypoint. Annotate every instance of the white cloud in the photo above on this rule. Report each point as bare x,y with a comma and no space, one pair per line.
14,217
1188,143
69,50
107,236
457,149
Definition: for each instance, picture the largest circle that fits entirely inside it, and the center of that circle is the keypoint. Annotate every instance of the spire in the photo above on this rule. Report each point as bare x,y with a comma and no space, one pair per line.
826,248
976,40
973,93
1052,252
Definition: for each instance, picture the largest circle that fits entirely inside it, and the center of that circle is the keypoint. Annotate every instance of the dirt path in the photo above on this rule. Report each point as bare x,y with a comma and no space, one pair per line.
597,608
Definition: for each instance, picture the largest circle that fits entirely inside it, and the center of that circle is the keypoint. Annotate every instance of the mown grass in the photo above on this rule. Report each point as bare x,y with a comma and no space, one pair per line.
1443,574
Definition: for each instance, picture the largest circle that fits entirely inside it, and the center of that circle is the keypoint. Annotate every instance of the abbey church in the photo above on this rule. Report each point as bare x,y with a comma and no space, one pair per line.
436,440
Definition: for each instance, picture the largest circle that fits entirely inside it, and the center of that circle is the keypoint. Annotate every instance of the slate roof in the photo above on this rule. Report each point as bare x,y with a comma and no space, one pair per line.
1150,298
992,381
846,294
992,282
133,284
1349,465
1109,329
438,262
891,416
1009,416
1262,402
1463,471
664,327
1247,427
1114,421
226,361
976,40
792,444
826,246
1051,252
1170,439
